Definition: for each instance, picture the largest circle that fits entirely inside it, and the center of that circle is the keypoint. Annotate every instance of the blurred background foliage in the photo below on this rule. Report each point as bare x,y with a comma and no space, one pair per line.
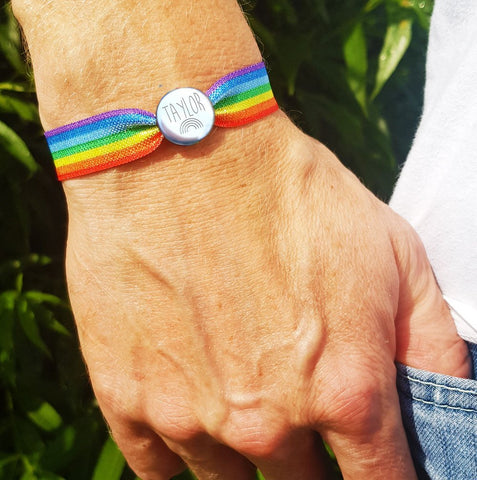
349,72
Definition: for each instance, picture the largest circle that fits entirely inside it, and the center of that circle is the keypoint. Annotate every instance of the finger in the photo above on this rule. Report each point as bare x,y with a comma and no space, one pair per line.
301,457
279,450
425,332
146,453
364,429
209,459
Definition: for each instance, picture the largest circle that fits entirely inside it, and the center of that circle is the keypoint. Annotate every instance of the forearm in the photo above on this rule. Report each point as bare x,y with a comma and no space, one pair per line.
90,57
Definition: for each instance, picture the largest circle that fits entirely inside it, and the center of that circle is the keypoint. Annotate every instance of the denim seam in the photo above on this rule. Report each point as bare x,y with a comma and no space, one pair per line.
455,389
442,405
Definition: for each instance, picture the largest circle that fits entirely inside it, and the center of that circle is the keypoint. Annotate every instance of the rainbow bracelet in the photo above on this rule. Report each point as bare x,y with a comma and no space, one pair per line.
184,116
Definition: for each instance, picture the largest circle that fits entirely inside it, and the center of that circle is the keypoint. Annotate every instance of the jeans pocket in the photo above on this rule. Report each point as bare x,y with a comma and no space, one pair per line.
440,417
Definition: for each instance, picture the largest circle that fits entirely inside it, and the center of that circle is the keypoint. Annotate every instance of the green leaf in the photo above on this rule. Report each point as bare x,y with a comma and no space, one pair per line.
7,322
293,53
17,148
330,452
396,42
13,87
29,325
322,10
53,324
355,55
265,35
8,299
19,282
372,4
41,297
187,475
29,476
45,417
10,41
285,9
346,122
49,476
7,459
422,9
61,449
28,439
47,318
110,464
37,259
7,306
10,103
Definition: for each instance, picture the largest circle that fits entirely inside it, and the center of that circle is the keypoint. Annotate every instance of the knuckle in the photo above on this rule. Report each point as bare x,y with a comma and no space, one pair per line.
357,405
252,435
182,433
113,398
176,422
406,241
148,456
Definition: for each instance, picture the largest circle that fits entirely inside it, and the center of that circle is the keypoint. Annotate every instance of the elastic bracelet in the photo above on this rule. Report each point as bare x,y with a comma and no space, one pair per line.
184,116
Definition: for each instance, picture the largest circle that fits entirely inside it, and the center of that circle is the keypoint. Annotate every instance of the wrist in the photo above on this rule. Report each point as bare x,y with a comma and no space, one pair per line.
220,167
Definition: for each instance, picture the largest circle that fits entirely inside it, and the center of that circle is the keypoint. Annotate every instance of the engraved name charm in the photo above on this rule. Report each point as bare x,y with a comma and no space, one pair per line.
185,116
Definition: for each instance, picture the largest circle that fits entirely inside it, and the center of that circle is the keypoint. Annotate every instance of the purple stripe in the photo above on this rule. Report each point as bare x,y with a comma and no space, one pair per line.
95,118
237,73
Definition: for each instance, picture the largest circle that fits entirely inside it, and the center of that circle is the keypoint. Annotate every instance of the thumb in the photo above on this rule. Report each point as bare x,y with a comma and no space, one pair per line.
426,336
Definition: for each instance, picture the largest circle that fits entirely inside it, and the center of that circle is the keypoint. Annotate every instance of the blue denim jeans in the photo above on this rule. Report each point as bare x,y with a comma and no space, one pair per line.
440,417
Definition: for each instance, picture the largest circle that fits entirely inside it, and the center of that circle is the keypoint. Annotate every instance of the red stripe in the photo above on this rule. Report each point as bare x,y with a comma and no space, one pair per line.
248,115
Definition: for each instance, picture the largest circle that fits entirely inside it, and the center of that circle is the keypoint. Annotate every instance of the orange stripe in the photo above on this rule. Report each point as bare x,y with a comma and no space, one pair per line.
247,116
109,160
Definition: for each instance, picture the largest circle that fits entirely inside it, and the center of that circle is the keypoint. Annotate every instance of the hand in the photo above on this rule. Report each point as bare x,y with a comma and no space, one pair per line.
238,299
233,313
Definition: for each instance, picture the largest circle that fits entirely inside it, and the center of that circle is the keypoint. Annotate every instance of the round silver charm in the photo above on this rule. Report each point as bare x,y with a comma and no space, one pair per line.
185,116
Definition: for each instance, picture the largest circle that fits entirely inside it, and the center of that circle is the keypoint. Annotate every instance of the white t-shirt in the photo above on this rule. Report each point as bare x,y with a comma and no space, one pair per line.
437,189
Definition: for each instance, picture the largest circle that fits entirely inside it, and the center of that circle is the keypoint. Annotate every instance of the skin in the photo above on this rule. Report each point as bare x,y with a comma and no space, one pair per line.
241,298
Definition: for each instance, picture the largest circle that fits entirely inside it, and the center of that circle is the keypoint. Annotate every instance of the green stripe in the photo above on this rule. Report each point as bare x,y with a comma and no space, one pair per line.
83,147
240,97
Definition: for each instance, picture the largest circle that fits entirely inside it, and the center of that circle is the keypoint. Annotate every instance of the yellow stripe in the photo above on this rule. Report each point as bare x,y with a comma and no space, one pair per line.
250,102
105,149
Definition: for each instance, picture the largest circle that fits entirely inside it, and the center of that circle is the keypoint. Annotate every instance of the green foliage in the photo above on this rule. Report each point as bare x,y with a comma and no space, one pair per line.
50,426
350,72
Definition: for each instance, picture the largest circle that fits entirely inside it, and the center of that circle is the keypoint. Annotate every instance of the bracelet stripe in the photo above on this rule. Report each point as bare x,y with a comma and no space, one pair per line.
238,106
93,144
108,160
121,136
241,97
244,75
98,126
106,140
251,114
77,154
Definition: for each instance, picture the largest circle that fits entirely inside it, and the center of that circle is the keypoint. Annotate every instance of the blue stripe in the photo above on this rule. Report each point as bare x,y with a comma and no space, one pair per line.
239,84
96,130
